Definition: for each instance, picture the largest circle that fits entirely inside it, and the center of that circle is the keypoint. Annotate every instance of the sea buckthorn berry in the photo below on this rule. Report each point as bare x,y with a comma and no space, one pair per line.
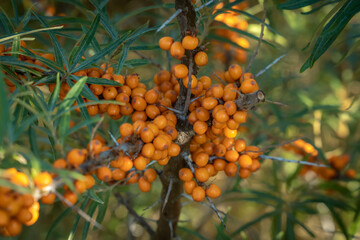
216,131
138,126
172,95
202,114
230,107
200,127
194,81
211,169
194,105
255,165
229,132
217,91
80,186
230,169
249,86
201,159
148,150
152,111
213,191
71,197
75,157
206,81
34,209
110,93
209,103
97,89
350,173
89,181
160,121
138,92
181,71
42,180
219,164
125,89
4,218
231,155
138,116
228,78
189,186
240,145
146,135
20,178
132,177
171,131
28,200
202,174
138,103
198,194
126,129
244,173
221,116
245,161
13,228
127,163
228,142
192,117
190,42
132,80
118,174
118,78
144,185
164,161
235,71
232,124
240,116
48,199
140,163
150,175
177,50
163,76
154,128
104,174
95,146
201,58
165,43
174,150
114,110
161,143
92,110
248,76
185,174
200,139
252,151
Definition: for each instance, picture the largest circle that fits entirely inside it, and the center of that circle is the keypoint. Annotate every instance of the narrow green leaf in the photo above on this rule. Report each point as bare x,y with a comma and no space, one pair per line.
339,221
289,233
77,219
72,94
85,42
93,196
140,10
16,12
56,222
33,142
4,110
8,184
55,94
105,20
192,232
11,61
331,31
302,225
295,4
6,26
51,64
102,81
83,123
136,62
102,208
91,212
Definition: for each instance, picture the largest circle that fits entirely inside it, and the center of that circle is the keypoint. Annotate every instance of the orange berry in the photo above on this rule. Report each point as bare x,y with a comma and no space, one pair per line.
206,81
235,71
202,114
194,81
48,199
75,157
213,191
150,175
152,96
13,228
138,115
132,80
152,111
97,89
177,50
244,173
229,132
255,165
60,164
245,161
200,127
230,169
174,150
4,218
138,103
118,174
181,71
34,209
71,197
201,58
221,116
132,177
126,129
190,42
189,186
161,143
252,151
146,135
249,86
231,155
20,178
209,103
42,180
28,200
219,164
202,174
240,145
240,116
148,150
165,43
160,121
95,146
89,181
185,174
350,173
144,185
201,159
126,164
140,163
104,174
198,194
110,93
80,186
211,169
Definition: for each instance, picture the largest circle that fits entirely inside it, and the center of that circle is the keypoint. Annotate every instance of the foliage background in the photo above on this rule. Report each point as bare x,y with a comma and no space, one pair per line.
322,106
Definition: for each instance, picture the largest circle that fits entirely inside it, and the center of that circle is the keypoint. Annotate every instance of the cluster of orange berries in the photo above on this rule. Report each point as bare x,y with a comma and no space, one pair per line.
215,118
337,163
17,209
231,19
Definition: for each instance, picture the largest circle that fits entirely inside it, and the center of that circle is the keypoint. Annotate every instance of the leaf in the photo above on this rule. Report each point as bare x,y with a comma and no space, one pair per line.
101,54
102,208
85,42
85,92
295,4
59,51
102,81
145,47
51,64
339,221
55,94
83,123
72,94
105,20
4,110
331,31
289,233
77,219
320,7
5,24
140,10
57,221
91,211
11,61
192,232
136,62
93,196
33,142
303,226
252,222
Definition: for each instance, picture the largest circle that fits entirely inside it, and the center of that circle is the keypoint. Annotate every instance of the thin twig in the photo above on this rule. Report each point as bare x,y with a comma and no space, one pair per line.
152,206
259,42
167,194
113,138
138,218
212,206
204,5
79,211
169,20
292,161
270,65
149,58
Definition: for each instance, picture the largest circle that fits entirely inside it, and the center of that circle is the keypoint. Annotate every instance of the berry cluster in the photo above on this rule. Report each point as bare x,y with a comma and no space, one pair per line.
337,163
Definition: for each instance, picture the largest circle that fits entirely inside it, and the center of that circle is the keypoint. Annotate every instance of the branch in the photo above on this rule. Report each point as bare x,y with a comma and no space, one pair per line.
292,161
